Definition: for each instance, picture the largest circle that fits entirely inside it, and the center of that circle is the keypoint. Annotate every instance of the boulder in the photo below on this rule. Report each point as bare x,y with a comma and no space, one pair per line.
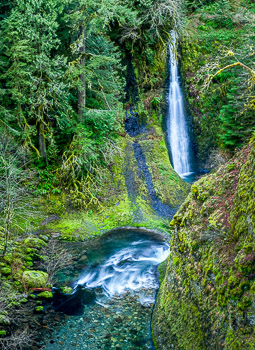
45,295
66,290
34,279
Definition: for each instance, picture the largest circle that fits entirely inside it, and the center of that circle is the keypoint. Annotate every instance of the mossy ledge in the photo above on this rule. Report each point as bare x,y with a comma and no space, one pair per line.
206,300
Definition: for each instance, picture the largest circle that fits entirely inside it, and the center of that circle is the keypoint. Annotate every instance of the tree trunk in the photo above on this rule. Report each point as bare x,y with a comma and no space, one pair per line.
42,143
8,222
82,89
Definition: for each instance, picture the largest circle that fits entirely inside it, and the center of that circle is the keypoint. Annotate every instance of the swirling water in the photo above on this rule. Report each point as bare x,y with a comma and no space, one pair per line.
121,271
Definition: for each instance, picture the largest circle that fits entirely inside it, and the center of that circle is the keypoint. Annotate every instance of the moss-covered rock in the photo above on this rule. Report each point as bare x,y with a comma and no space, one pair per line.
39,309
2,333
45,295
66,290
34,242
207,300
34,279
124,196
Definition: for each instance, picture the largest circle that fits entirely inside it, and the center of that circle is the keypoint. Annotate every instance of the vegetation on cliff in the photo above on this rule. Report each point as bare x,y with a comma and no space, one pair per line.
220,34
206,300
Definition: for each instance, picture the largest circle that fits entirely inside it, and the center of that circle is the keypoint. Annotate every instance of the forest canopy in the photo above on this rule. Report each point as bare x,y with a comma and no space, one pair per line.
63,76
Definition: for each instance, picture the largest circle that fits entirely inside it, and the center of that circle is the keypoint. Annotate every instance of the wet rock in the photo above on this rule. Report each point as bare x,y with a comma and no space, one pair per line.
83,259
45,295
55,234
73,304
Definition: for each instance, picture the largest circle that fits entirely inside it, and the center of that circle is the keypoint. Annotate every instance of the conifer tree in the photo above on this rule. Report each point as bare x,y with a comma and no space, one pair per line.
34,79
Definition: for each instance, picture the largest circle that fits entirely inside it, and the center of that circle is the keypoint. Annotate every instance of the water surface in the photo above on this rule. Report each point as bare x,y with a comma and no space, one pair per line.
119,271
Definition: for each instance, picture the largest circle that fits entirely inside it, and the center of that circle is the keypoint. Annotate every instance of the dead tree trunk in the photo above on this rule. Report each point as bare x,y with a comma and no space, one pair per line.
42,143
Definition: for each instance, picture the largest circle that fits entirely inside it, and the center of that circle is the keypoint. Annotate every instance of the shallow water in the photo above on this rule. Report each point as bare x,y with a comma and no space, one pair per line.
120,270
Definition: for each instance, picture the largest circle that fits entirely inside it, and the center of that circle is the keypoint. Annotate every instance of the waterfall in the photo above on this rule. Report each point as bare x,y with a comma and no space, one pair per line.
178,136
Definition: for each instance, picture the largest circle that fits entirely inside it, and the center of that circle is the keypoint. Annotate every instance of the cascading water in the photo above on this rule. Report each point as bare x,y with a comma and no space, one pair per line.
130,269
178,136
110,308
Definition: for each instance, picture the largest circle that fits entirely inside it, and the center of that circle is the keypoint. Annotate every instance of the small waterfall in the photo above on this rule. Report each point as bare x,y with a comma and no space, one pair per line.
178,136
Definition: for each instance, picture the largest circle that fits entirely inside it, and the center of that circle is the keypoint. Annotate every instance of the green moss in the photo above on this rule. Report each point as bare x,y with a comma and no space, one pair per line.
4,320
34,279
6,270
34,242
66,290
209,284
39,309
162,270
45,295
121,207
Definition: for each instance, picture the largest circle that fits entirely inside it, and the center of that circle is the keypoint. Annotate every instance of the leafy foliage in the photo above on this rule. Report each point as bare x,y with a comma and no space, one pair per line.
218,62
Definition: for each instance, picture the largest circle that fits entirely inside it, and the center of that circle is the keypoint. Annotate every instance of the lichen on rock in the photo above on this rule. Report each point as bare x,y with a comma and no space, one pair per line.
206,300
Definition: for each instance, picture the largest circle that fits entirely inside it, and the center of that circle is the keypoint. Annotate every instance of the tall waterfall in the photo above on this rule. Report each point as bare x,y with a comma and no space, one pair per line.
178,136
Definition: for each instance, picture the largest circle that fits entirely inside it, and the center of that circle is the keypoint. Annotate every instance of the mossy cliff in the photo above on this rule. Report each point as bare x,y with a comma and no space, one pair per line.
206,300
124,199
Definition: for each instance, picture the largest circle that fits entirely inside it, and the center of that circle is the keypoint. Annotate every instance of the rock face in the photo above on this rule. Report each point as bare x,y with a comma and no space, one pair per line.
206,300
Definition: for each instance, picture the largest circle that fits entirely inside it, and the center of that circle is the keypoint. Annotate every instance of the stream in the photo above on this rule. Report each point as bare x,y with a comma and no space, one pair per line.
114,280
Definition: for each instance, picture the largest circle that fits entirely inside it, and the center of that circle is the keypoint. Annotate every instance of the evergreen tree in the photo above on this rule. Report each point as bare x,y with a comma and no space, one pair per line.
34,83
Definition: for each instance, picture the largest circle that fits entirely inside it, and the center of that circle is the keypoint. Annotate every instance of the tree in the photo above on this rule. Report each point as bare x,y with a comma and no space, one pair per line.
237,114
96,63
14,197
34,79
55,258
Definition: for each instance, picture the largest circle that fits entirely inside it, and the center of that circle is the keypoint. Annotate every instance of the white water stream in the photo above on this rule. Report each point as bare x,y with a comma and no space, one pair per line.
131,268
178,135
